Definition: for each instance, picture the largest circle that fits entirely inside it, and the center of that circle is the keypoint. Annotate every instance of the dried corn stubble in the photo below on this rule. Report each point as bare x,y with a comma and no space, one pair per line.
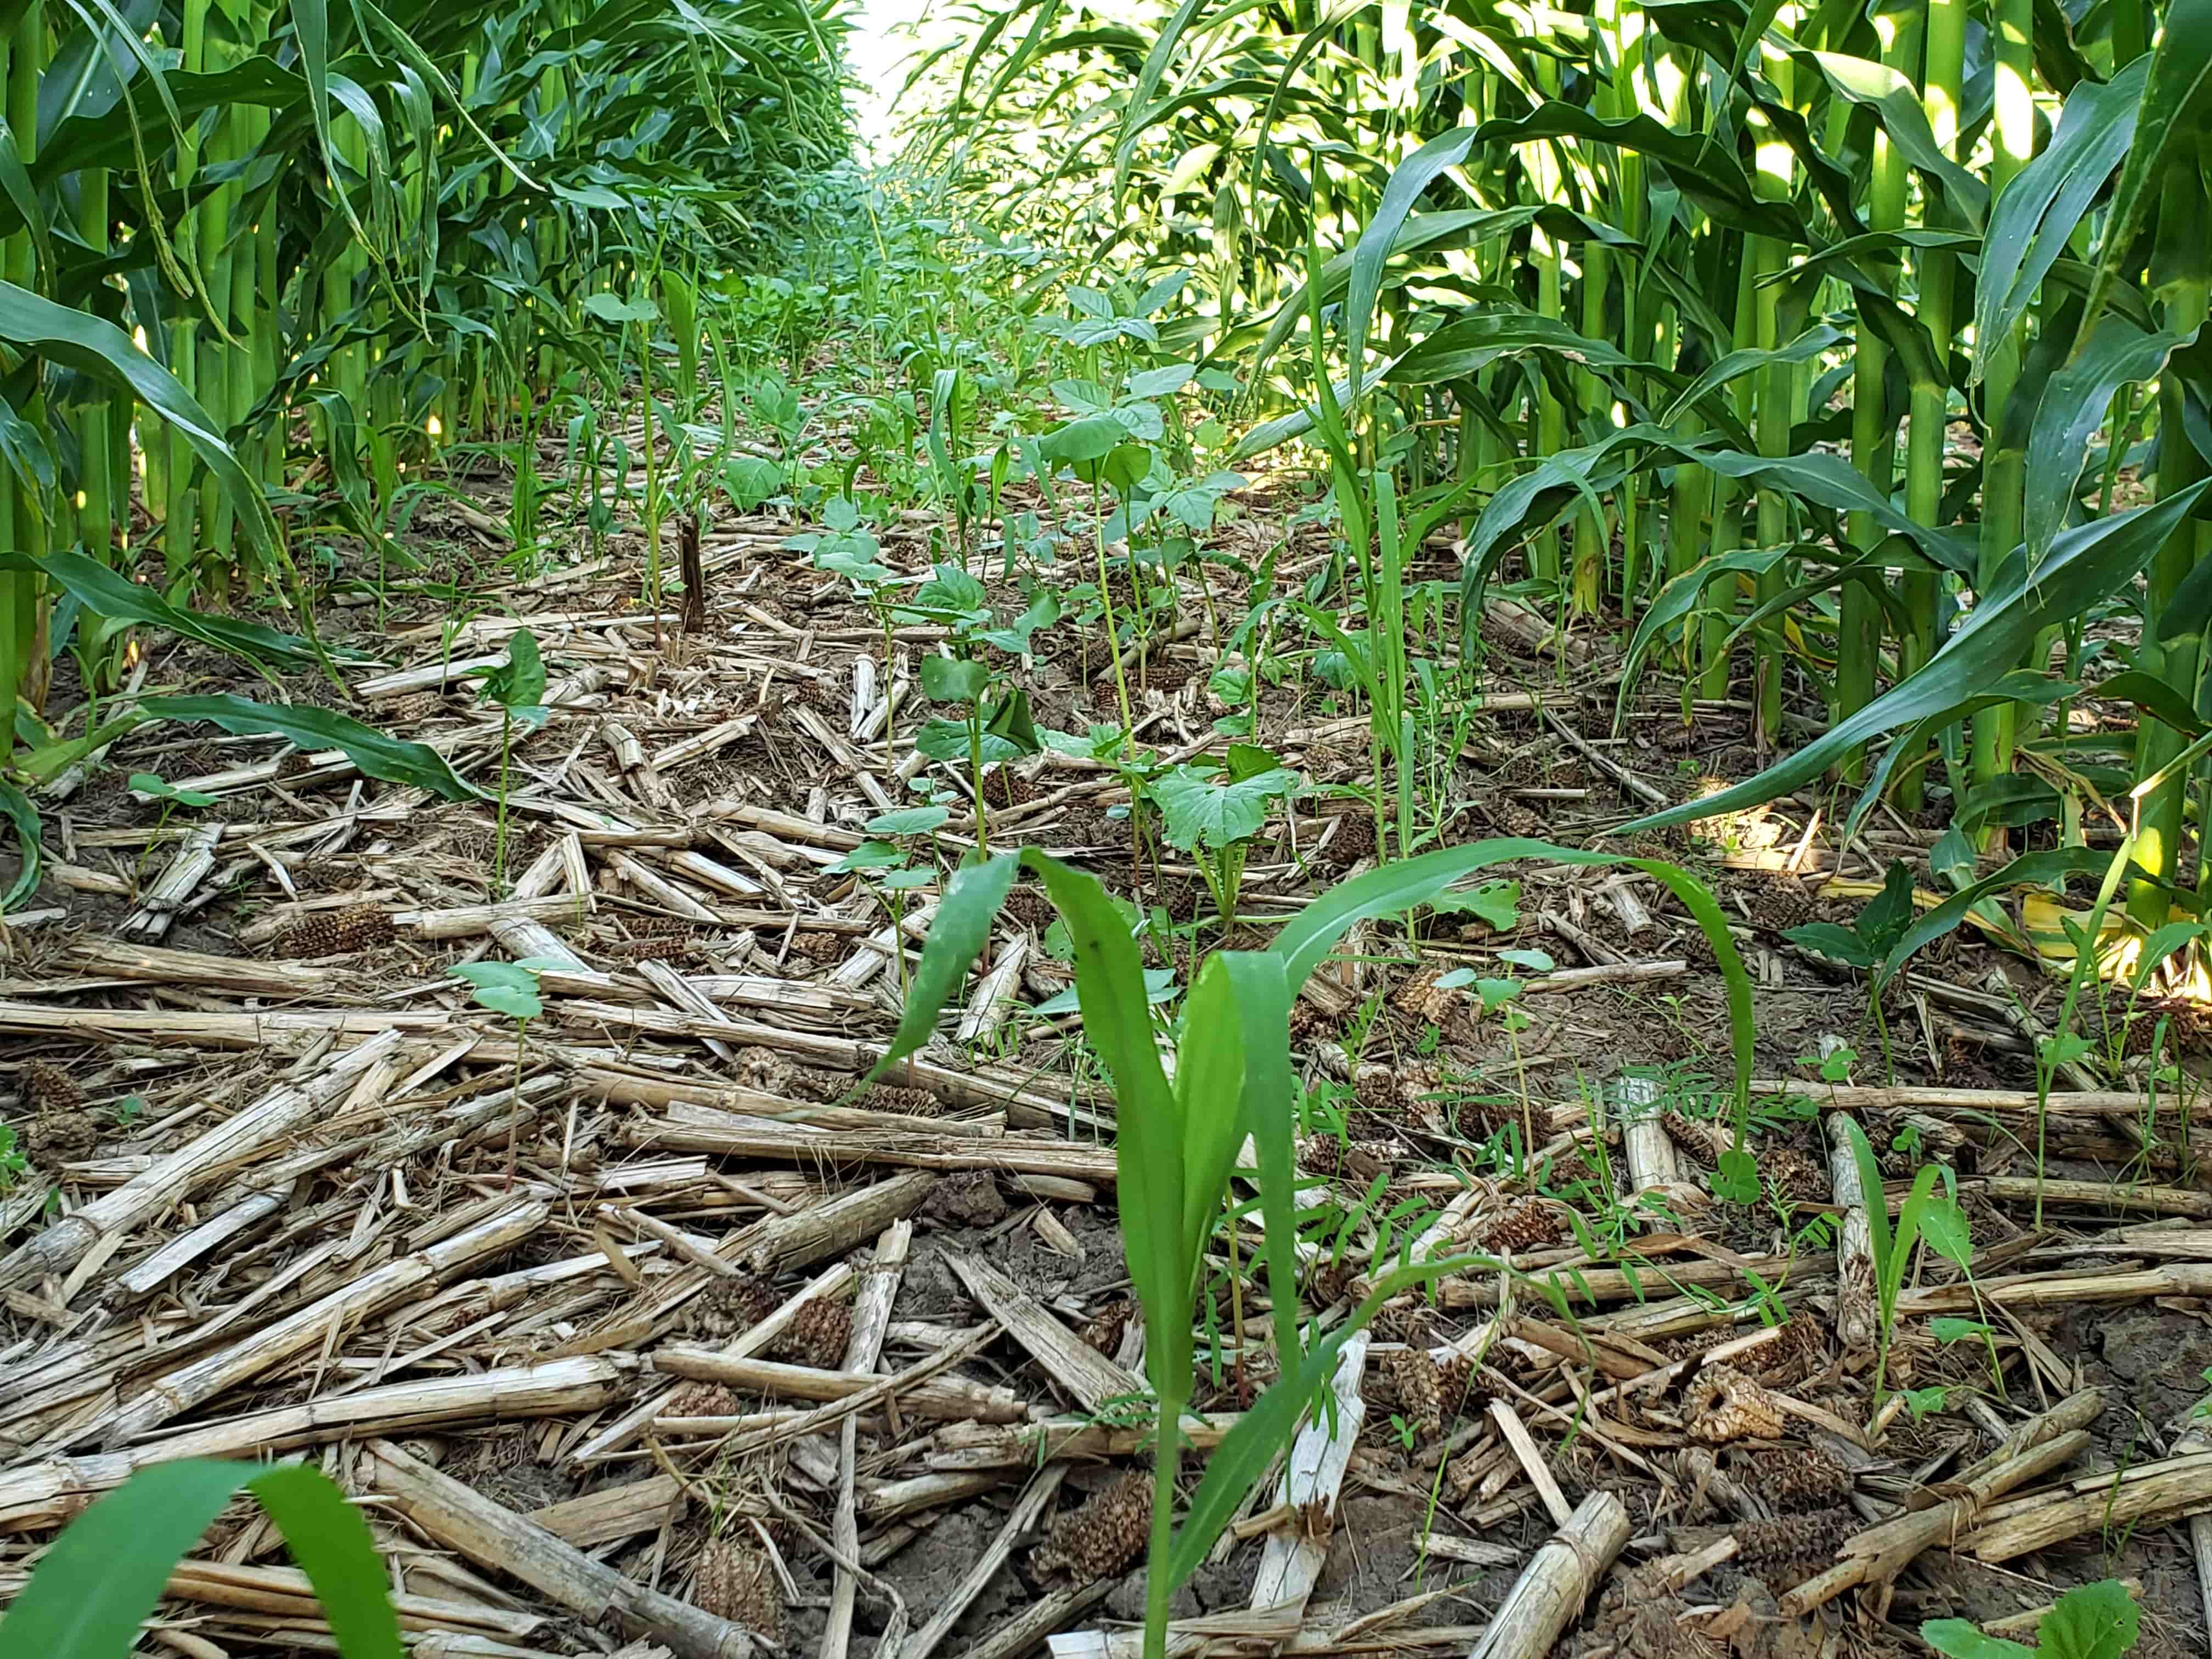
1426,1393
1792,1177
1797,1480
1420,996
1104,1329
1358,1161
47,1088
1786,1552
1529,1224
1798,1349
700,1399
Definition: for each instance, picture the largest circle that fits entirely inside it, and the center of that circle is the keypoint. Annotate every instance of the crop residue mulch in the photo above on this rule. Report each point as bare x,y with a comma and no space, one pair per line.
646,1326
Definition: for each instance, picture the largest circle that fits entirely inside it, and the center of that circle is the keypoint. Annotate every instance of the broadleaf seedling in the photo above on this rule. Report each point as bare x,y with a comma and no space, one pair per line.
518,686
509,989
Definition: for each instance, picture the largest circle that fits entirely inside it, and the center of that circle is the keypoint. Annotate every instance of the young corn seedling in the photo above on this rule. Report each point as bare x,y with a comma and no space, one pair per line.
1178,1142
100,1583
1926,1215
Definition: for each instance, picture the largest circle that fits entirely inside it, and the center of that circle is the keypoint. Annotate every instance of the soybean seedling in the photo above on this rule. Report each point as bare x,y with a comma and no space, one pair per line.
993,729
2090,1621
171,797
509,989
14,1164
518,686
1214,811
987,730
884,869
1867,943
848,548
1096,449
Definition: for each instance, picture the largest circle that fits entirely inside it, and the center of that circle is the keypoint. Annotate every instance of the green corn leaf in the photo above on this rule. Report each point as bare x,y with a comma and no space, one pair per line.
2072,403
2173,110
2037,213
2084,566
1379,236
105,592
1881,1243
1683,595
103,1575
1451,228
394,760
2155,697
102,351
956,936
1896,105
1211,1100
1248,1447
2037,869
1838,942
1109,983
1263,996
1805,348
23,197
1137,114
1571,475
17,809
1117,1021
1306,940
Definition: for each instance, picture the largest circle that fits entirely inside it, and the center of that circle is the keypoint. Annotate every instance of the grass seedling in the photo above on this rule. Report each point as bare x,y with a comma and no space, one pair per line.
2064,1044
518,686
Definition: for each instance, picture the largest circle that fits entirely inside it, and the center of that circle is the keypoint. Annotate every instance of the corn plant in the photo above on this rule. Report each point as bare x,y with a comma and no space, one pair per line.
99,1583
1734,394
219,217
1926,1215
1177,1141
